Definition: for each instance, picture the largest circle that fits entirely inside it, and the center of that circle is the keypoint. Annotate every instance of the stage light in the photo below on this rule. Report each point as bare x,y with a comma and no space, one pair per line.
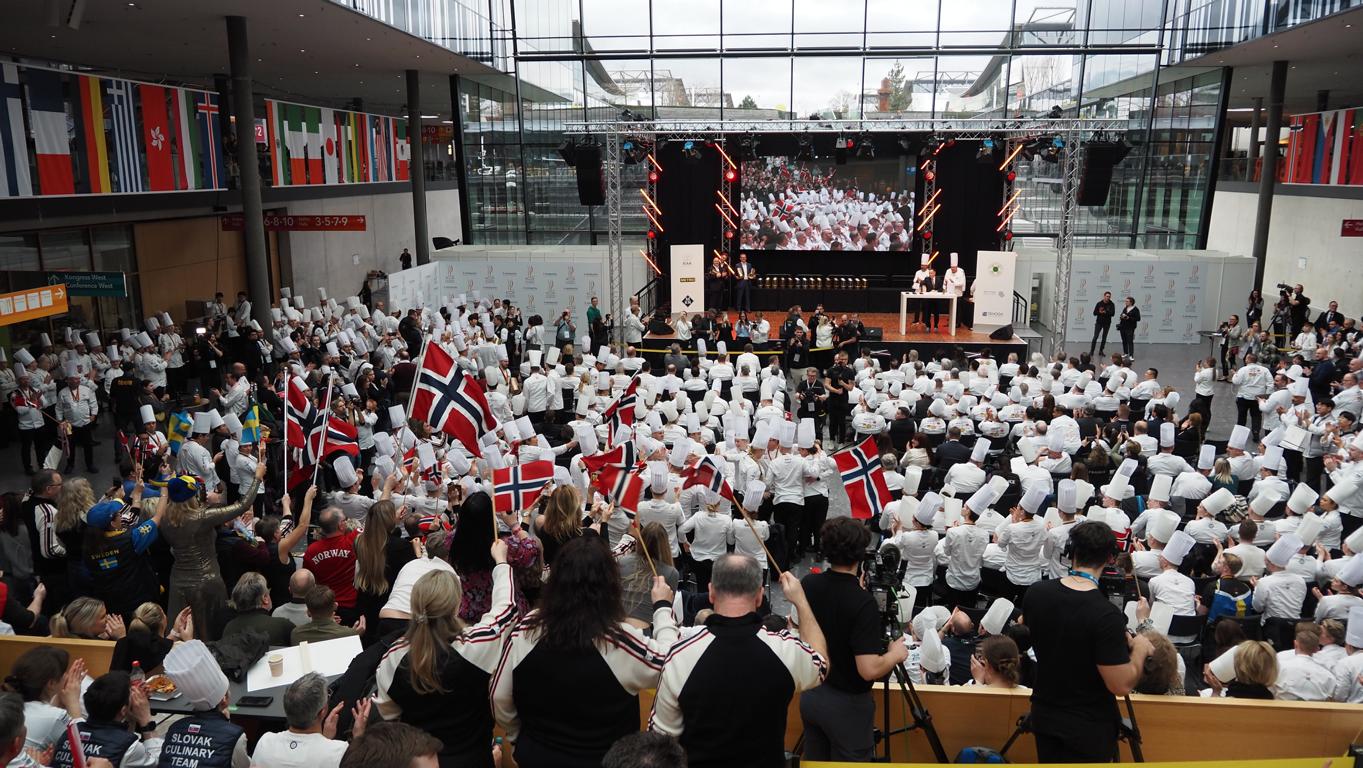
806,143
728,234
730,174
988,143
748,144
905,144
929,175
1058,142
690,152
951,142
652,235
652,177
866,147
1007,235
1011,175
927,234
985,154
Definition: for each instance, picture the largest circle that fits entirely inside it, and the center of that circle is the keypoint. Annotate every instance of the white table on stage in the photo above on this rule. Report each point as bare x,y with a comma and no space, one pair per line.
904,297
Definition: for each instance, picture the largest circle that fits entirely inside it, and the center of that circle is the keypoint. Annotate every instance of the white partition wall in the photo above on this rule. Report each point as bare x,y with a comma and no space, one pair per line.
541,280
1179,293
993,289
688,278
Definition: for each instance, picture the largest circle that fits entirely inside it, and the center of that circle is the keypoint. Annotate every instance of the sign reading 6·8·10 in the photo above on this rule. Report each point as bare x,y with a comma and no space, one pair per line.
283,222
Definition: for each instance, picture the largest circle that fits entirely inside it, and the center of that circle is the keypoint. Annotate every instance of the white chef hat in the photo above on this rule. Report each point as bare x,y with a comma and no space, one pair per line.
1352,574
345,471
1262,504
1353,635
196,673
980,451
996,618
805,433
1163,524
1066,493
1303,496
1223,666
1166,435
203,423
1180,544
1160,488
1206,457
1287,545
980,500
1033,500
1239,437
1273,458
1217,502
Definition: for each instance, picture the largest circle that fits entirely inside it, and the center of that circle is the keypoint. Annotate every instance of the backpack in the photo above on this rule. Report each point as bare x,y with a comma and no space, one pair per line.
1236,512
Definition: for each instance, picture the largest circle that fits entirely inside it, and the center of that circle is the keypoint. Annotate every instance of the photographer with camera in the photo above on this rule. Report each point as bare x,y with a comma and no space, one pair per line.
1084,655
839,715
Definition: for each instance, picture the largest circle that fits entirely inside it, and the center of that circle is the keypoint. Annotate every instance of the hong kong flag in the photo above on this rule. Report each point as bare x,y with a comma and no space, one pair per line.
450,400
516,488
863,479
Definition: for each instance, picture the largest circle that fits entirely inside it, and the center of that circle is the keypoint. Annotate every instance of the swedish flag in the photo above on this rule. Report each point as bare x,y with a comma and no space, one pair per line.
250,425
178,427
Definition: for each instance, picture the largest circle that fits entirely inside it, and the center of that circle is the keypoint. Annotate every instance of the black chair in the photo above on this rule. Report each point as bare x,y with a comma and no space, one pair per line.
1280,633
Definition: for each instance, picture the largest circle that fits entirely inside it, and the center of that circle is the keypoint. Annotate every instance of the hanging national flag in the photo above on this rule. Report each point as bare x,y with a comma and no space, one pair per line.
707,472
516,488
14,173
315,154
402,150
863,478
127,165
208,149
250,424
91,109
178,427
272,136
51,138
621,412
331,148
295,145
156,139
450,400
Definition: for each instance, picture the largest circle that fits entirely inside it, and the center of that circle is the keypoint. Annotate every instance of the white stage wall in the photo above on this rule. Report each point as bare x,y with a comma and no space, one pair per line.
1179,292
542,280
688,278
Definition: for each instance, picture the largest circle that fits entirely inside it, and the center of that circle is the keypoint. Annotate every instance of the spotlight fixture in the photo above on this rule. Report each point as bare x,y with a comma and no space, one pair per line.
905,144
1011,175
730,175
985,154
635,150
748,144
690,151
1056,113
652,177
865,146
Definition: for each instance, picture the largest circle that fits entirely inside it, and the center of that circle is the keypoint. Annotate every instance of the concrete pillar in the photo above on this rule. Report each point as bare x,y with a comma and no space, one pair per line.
1269,176
1255,122
417,168
253,215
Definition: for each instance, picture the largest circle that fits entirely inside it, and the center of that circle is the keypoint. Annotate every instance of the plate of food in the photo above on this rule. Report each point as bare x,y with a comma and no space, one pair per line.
161,688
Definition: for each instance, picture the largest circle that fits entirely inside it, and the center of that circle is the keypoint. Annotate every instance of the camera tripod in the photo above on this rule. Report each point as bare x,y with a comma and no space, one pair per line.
1127,731
920,717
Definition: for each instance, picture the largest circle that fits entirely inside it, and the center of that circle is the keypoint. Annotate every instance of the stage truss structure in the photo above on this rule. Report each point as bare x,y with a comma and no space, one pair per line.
1071,132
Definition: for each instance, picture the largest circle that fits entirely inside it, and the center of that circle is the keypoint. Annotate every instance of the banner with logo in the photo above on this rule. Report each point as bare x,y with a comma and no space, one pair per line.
688,278
1169,295
993,289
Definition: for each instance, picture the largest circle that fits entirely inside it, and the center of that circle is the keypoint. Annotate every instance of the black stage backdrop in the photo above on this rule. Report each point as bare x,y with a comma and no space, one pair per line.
971,195
686,195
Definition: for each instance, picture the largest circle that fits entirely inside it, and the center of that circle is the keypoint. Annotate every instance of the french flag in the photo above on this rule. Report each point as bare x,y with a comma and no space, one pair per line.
51,139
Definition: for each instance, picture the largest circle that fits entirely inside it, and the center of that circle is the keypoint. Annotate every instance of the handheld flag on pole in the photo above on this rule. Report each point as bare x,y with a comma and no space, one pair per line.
178,427
863,478
250,424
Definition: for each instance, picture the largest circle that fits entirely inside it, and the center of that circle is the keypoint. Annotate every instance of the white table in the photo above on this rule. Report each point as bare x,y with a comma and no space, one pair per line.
904,297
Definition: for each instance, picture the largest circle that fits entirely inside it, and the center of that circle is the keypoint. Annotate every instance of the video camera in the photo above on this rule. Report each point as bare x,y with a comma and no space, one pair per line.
884,571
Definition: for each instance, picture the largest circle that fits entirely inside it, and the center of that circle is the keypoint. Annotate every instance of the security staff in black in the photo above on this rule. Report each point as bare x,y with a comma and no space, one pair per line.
838,379
113,708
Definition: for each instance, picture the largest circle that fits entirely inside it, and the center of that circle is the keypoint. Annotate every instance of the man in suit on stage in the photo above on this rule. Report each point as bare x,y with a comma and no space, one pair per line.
743,278
1102,321
717,286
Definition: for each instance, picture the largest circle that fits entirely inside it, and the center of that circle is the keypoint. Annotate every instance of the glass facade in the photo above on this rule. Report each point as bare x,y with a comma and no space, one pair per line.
584,60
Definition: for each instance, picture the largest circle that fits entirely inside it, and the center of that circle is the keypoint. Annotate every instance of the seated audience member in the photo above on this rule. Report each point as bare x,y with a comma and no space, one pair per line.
296,610
1300,676
322,622
310,741
119,727
392,745
11,727
48,682
150,638
995,663
645,750
86,618
204,738
734,665
435,552
1254,672
251,598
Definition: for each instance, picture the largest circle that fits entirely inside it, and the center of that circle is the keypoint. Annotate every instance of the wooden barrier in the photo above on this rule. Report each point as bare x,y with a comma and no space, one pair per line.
98,654
1172,727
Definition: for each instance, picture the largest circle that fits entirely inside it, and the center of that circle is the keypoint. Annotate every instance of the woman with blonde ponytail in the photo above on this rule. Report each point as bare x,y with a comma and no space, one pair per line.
438,675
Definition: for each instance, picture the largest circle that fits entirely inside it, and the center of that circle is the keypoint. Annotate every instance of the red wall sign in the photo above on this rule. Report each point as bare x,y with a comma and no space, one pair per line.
280,222
1351,228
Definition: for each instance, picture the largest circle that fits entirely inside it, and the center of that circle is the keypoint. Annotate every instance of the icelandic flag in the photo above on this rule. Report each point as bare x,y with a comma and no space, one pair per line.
863,478
450,400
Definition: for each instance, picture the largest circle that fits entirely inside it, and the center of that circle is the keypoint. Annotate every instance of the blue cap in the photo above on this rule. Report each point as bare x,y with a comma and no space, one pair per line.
103,513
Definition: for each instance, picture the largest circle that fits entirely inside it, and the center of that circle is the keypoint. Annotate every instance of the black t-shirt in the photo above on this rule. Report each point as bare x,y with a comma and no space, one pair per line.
850,621
1073,633
840,376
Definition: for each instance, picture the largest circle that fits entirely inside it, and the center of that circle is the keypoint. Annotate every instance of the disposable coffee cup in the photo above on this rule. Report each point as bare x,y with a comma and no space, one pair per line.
276,662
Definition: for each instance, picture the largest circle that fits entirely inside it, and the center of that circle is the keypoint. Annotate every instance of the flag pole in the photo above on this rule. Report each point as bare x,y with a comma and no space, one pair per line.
763,544
420,360
643,546
326,427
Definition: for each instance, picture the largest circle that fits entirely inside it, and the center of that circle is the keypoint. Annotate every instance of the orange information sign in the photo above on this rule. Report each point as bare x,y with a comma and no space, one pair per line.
32,304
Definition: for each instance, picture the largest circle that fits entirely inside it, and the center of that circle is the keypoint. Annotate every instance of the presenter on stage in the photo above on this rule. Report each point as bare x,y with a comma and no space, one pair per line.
743,277
1102,320
925,281
1126,326
953,281
717,286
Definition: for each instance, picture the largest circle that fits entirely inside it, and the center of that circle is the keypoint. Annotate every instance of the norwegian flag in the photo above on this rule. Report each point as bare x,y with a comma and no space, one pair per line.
863,479
624,486
707,472
622,456
621,412
450,400
517,487
303,422
341,437
411,462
